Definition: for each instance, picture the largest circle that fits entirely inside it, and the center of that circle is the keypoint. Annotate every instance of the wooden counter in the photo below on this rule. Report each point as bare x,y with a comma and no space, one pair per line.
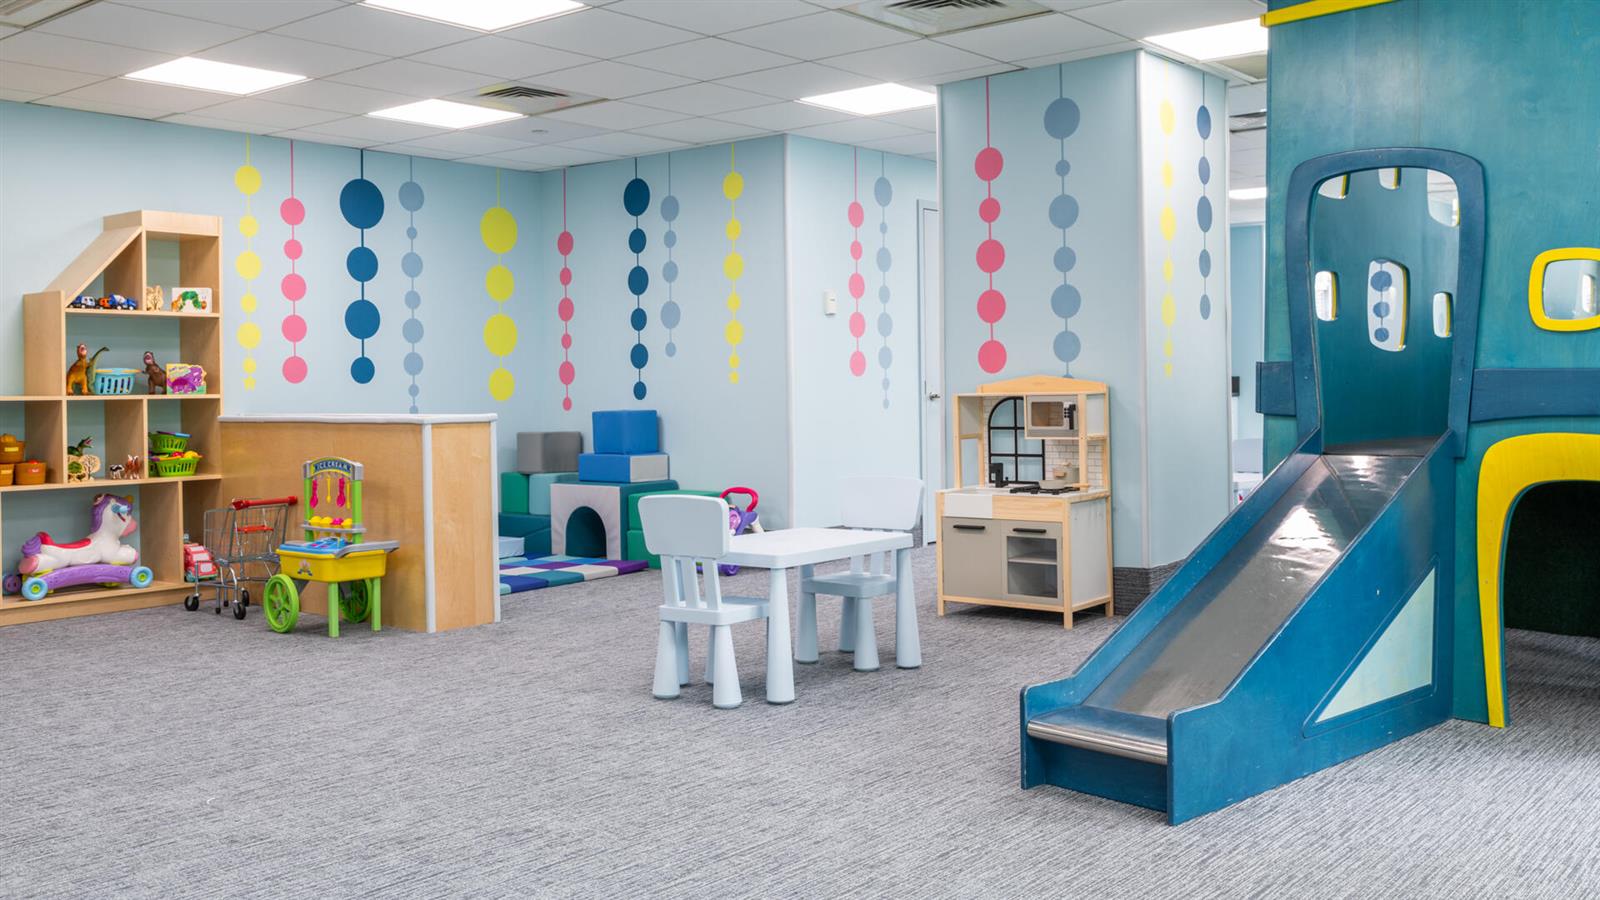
429,484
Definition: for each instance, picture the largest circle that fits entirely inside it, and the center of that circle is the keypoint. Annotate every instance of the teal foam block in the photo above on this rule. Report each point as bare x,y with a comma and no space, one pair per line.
522,525
514,494
538,490
537,543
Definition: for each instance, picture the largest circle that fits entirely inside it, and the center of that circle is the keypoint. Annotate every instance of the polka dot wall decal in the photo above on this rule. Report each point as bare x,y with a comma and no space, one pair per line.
361,204
733,263
635,201
1168,223
883,193
247,179
1061,119
411,200
564,308
293,286
498,228
671,314
991,253
858,285
1202,212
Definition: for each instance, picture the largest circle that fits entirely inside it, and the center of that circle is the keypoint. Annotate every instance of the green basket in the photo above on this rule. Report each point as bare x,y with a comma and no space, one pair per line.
168,442
174,468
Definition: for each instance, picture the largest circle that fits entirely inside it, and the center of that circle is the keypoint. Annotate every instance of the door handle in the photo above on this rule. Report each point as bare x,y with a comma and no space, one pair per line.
971,527
934,396
1025,530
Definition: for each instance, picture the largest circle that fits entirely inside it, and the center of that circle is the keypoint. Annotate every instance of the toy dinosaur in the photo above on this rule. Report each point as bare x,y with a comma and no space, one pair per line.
81,375
155,374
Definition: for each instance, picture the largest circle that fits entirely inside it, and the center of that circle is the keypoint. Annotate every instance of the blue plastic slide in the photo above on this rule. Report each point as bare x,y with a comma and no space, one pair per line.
1310,627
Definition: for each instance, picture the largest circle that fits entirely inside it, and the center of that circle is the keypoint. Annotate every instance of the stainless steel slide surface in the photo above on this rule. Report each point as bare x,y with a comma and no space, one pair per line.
1206,641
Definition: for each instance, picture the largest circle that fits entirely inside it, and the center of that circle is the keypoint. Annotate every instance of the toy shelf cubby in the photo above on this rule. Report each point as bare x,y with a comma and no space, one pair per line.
187,248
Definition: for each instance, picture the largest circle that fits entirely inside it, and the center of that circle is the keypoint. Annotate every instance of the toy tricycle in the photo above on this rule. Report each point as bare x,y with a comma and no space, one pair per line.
335,552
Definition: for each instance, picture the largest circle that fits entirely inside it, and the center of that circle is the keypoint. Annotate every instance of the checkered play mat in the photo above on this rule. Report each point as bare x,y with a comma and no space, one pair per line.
523,574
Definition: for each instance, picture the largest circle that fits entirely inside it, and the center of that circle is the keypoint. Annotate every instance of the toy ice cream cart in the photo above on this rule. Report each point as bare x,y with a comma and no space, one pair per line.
335,552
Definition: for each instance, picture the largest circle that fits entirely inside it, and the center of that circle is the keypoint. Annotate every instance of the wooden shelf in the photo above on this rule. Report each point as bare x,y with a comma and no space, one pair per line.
110,398
108,483
140,313
87,592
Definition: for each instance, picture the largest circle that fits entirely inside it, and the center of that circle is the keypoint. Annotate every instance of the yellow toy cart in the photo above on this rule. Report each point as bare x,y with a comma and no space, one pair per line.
335,552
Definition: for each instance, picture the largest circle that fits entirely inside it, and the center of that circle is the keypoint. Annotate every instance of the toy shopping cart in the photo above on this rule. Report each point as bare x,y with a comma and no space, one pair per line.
241,540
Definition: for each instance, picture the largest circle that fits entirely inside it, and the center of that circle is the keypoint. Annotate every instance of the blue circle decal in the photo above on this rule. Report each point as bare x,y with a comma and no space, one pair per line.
362,264
636,197
411,196
361,319
638,280
1061,118
361,203
362,369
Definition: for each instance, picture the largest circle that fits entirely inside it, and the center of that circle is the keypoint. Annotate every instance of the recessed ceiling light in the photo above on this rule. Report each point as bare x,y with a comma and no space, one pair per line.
1255,193
874,100
1242,38
445,114
210,75
479,15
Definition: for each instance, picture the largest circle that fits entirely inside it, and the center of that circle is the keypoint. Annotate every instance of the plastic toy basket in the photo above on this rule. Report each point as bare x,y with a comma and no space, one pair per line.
174,468
168,442
114,381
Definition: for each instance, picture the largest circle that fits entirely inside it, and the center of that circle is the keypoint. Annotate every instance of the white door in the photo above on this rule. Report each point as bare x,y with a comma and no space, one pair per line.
931,297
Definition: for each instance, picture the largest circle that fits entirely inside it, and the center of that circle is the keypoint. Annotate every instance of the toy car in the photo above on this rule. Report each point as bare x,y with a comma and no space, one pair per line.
197,563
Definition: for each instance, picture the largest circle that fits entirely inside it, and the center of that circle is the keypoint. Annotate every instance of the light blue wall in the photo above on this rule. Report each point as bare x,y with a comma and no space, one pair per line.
1246,298
1103,179
1185,277
844,423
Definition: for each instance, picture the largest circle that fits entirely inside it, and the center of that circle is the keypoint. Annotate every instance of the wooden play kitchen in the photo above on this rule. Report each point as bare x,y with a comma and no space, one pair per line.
42,423
1033,531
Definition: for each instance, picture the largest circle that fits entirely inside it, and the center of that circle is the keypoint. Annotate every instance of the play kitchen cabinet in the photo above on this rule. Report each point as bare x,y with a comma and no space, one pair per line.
1042,543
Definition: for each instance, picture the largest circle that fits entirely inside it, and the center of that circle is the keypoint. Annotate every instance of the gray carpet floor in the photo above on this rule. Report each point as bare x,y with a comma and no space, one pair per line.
172,754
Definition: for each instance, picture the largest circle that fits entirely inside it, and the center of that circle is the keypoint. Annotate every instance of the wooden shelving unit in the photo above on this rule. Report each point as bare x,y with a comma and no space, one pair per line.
166,508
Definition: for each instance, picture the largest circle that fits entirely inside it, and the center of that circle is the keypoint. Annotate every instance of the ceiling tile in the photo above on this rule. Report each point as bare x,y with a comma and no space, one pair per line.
67,101
855,131
287,54
931,82
699,131
7,31
783,116
376,31
502,57
825,32
925,119
542,158
613,115
269,115
467,143
251,15
144,95
418,78
537,130
801,80
1142,18
128,26
198,120
906,145
907,62
412,148
1050,59
1070,5
610,79
619,143
18,96
41,80
345,98
599,33
701,99
318,137
713,16
377,131
707,59
55,51
1011,41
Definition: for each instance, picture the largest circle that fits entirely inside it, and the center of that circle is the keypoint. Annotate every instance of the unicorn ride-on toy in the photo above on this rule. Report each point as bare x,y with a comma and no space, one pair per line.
101,558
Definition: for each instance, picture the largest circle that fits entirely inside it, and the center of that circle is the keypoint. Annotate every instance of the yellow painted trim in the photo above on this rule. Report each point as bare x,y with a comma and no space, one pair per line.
1509,468
1311,9
1536,289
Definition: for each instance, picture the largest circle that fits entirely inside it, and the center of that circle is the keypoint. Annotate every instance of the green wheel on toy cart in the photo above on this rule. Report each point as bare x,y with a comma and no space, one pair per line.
280,602
355,602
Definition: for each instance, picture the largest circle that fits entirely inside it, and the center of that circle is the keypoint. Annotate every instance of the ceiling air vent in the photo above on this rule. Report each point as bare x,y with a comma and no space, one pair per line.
523,92
24,13
930,18
528,99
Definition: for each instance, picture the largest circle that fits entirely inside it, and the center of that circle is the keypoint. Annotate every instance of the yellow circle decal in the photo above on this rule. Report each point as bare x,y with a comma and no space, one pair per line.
733,185
247,303
1169,312
248,226
248,265
499,231
734,229
1166,349
249,383
734,302
500,335
734,333
1166,174
250,365
1169,119
501,384
247,179
249,335
1169,222
499,283
733,266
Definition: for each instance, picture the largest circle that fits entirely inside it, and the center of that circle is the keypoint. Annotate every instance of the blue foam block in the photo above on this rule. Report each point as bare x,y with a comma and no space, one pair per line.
626,431
619,468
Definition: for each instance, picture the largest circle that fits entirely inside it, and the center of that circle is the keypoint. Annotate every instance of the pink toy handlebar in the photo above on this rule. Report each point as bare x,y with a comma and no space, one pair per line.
748,492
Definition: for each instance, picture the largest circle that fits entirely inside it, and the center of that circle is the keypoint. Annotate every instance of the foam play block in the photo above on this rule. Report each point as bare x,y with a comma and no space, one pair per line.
548,451
507,546
538,493
537,543
588,518
623,468
514,493
634,522
634,544
626,431
522,524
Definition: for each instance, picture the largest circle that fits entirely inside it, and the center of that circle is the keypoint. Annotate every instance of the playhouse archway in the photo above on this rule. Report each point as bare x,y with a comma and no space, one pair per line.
1510,468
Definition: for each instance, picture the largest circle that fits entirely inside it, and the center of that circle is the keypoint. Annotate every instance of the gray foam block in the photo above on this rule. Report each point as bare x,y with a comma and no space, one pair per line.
548,451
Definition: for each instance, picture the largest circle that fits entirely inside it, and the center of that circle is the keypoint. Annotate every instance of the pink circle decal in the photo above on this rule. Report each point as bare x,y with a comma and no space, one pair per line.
855,249
564,309
991,306
989,163
294,369
292,211
989,209
566,276
857,214
858,326
294,289
566,373
566,342
292,248
858,363
991,256
564,243
294,329
858,285
992,356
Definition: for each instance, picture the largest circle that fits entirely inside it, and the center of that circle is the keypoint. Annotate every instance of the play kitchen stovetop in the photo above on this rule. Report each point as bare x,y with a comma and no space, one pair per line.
1032,487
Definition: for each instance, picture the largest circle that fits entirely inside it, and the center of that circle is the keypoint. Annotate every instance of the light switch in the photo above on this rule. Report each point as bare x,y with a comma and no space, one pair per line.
830,303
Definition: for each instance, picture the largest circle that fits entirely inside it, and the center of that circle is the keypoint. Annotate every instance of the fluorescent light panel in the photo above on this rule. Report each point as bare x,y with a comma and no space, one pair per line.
479,15
445,114
874,100
1255,193
210,75
1242,38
